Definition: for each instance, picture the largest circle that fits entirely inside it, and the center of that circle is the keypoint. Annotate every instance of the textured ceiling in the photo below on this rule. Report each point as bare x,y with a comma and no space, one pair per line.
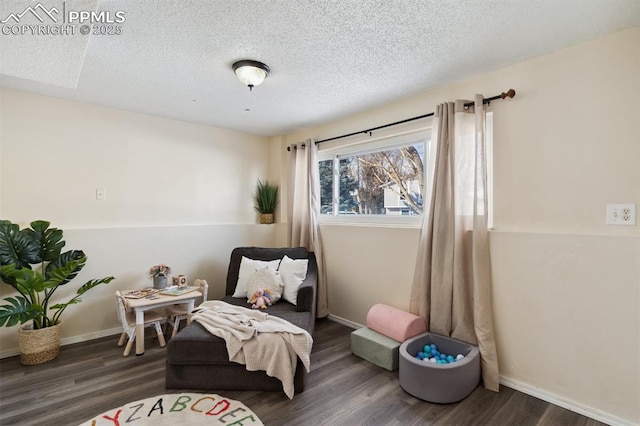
327,58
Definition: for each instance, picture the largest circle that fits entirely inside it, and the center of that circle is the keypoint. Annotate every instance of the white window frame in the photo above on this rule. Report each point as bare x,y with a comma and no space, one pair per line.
333,151
422,135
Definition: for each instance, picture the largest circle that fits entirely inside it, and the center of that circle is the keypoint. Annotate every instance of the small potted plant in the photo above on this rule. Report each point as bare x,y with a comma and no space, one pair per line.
158,273
32,262
266,200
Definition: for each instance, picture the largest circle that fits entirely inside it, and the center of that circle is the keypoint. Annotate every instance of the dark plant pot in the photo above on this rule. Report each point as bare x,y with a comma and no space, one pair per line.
38,346
159,282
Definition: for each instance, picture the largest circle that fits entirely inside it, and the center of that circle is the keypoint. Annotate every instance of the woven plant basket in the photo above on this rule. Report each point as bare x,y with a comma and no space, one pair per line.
39,346
266,218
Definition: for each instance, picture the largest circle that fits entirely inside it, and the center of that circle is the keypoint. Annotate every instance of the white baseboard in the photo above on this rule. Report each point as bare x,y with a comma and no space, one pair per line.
69,340
574,406
344,321
104,333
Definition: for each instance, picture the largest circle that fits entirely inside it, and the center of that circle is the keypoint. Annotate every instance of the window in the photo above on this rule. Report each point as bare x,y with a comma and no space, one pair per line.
384,181
380,178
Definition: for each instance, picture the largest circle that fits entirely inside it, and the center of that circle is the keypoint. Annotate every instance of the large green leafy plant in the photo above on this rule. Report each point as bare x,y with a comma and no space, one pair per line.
32,262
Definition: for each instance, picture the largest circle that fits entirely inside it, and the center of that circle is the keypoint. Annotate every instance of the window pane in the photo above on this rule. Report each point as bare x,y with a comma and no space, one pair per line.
389,182
326,186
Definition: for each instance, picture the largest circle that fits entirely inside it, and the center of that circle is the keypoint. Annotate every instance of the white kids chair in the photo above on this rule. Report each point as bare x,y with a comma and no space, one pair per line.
177,313
128,320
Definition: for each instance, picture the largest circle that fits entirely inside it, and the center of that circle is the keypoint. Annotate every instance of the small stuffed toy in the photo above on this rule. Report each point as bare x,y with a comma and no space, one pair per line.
260,299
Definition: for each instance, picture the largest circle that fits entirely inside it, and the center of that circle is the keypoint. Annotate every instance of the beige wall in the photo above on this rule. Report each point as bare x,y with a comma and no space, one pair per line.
567,304
176,193
155,171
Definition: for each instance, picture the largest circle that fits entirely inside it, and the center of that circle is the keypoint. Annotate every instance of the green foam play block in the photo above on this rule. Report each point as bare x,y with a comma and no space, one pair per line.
375,348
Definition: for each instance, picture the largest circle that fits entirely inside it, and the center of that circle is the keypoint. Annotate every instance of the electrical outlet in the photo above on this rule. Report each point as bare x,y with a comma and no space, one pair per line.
621,214
101,194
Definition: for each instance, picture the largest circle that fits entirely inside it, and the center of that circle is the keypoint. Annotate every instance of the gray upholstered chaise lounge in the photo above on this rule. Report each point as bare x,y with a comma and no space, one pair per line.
198,360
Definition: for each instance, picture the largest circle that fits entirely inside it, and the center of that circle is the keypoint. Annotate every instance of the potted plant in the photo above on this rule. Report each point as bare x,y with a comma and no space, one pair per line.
266,200
32,262
158,273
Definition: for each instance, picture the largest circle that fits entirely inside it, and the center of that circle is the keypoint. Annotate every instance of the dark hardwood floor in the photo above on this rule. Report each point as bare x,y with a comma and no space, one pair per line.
92,377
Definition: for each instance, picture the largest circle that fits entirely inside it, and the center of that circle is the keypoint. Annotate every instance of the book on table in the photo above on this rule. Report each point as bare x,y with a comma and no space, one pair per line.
139,294
177,290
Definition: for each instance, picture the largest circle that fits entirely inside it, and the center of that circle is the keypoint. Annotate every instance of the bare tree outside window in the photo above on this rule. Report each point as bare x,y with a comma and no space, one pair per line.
389,182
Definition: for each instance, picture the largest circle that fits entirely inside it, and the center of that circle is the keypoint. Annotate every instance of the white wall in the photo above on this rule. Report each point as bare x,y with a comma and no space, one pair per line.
176,193
566,286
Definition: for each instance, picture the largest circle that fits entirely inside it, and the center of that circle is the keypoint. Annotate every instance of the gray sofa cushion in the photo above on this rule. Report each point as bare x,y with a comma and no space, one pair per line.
282,309
195,345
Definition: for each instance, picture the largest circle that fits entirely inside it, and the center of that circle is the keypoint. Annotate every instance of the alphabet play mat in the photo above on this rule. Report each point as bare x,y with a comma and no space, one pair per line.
179,409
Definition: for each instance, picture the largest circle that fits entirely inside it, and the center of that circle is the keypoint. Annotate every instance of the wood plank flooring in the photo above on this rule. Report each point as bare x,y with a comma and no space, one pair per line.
92,377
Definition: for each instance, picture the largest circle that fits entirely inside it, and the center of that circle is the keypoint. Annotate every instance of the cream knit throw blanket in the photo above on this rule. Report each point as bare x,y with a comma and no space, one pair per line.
258,340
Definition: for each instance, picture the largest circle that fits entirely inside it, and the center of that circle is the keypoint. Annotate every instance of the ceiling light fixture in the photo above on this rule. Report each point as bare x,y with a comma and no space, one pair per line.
251,73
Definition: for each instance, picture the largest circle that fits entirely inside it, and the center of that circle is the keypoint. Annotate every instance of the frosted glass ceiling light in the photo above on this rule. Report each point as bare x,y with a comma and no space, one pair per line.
251,73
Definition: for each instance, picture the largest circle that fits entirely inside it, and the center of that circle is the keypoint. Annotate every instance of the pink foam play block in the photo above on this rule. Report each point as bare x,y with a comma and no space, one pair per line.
394,323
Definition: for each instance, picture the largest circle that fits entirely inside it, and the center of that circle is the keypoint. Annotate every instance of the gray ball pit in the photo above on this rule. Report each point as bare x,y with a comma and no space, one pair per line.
439,383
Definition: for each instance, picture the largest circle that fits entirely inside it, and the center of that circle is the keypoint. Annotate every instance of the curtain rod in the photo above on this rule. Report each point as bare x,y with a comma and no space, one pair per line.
509,94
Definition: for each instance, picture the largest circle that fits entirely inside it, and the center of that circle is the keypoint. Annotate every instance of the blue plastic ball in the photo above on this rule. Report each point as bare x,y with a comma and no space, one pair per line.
443,356
450,358
427,348
435,352
420,355
433,346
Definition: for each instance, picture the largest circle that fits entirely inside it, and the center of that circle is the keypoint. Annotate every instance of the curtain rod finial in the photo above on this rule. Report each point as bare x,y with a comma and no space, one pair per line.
509,94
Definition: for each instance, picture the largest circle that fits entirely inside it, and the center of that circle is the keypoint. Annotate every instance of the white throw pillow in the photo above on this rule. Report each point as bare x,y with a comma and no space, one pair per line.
265,279
293,273
248,267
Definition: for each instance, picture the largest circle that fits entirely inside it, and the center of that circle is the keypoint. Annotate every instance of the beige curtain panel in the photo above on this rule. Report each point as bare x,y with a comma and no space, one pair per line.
452,281
303,210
